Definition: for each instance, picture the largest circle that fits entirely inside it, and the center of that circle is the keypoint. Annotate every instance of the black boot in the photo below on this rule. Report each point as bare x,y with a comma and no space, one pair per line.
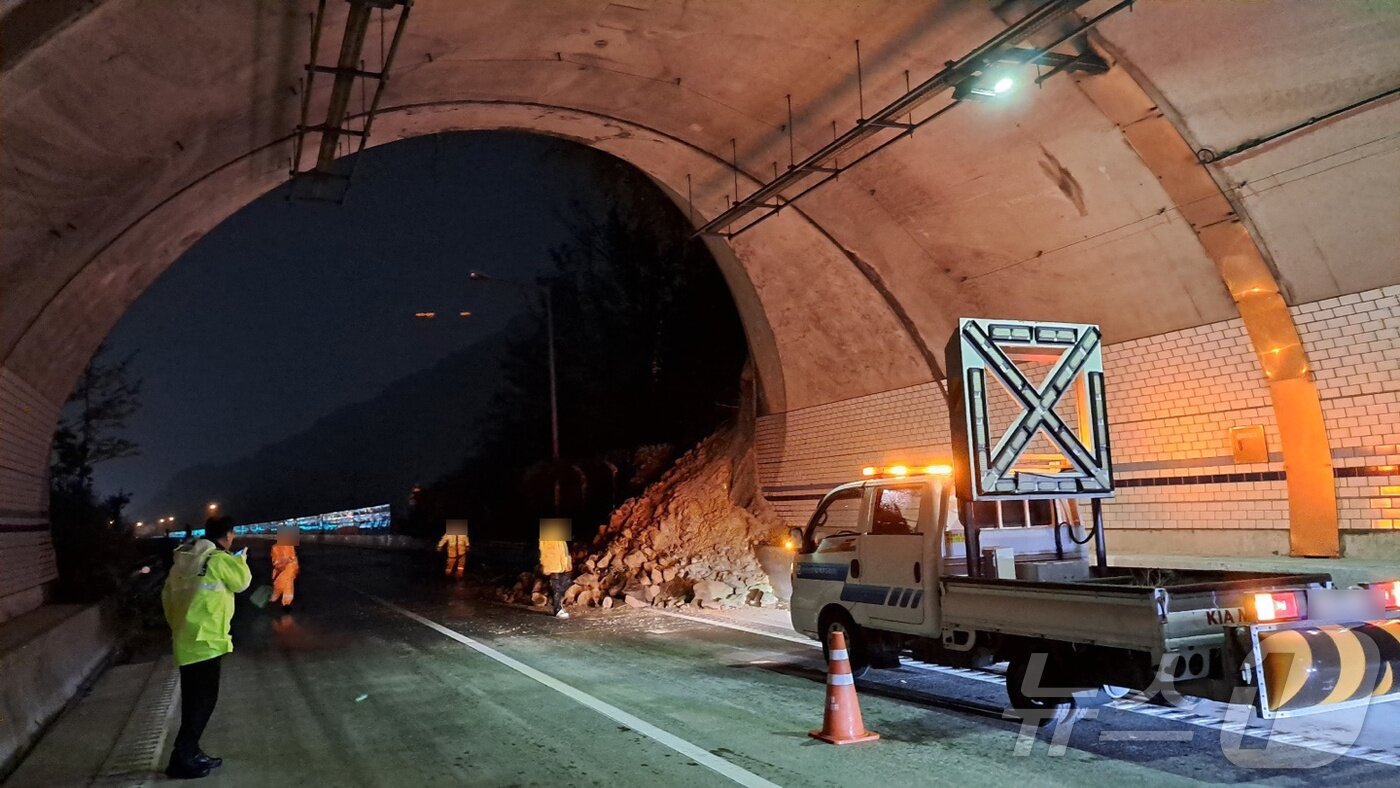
205,759
186,768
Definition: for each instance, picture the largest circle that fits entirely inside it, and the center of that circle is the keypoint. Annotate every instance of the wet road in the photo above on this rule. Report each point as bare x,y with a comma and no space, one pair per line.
386,675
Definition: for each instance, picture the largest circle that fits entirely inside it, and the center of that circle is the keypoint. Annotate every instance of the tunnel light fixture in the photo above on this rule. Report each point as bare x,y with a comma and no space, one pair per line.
985,86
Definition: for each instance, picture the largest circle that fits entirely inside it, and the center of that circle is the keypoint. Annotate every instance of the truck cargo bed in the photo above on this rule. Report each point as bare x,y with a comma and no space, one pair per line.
1138,608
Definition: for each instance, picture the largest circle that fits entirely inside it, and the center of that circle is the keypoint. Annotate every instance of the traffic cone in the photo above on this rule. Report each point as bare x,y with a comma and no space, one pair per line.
841,724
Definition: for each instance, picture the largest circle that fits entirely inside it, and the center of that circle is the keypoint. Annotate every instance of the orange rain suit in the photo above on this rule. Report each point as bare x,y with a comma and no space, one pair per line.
284,573
457,547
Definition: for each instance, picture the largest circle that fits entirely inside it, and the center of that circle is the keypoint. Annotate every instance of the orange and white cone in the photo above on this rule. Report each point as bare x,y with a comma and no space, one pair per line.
841,724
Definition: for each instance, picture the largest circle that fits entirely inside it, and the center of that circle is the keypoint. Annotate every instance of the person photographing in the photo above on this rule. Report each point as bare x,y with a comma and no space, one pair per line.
198,602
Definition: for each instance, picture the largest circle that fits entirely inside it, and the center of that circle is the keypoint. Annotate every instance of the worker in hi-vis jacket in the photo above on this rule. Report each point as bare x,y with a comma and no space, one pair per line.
285,566
454,540
555,561
198,602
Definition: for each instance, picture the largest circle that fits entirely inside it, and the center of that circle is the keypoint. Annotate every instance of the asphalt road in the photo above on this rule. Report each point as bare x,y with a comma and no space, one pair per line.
385,674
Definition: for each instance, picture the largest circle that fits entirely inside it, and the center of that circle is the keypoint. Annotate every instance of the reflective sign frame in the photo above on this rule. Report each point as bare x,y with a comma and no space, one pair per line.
987,348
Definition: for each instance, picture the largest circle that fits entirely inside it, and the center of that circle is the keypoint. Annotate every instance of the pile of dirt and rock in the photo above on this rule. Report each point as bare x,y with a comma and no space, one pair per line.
700,535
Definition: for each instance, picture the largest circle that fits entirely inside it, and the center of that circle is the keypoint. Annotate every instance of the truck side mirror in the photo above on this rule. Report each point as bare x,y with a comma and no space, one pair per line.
795,539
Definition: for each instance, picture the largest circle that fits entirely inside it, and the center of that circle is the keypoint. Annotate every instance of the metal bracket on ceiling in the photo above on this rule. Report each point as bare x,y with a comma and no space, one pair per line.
332,137
861,141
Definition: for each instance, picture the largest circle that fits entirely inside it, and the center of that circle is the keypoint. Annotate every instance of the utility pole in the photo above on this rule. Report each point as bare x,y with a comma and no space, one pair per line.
477,276
553,386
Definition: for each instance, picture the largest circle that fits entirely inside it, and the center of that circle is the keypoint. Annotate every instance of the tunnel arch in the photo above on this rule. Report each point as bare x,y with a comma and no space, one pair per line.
828,369
130,129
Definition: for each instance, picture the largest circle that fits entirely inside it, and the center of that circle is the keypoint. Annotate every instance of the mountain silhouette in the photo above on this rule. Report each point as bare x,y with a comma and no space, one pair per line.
413,431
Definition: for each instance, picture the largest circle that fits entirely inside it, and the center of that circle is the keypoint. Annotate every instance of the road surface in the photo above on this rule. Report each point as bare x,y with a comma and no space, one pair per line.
387,675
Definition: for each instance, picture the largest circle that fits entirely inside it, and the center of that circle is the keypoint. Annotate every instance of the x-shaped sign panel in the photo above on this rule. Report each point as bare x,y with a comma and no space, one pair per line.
989,470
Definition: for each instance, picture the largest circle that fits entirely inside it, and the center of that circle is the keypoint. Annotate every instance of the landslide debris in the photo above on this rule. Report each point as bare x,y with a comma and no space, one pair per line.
701,534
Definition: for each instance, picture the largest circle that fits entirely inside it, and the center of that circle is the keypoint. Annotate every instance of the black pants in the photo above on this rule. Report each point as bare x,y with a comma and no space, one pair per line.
199,691
558,584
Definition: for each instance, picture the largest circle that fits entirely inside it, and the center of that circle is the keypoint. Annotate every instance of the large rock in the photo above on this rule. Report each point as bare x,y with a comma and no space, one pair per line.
707,590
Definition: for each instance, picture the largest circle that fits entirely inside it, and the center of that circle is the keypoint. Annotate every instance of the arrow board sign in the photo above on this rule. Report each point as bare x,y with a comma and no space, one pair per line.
992,466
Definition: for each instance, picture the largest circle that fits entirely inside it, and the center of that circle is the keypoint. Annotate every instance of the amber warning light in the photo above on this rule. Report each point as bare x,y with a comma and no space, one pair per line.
870,471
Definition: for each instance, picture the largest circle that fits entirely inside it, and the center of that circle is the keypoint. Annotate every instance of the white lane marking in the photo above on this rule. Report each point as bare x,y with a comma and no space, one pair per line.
1175,715
740,627
695,753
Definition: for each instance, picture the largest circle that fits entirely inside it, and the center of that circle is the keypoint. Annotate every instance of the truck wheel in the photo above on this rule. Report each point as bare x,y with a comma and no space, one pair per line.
855,642
1039,709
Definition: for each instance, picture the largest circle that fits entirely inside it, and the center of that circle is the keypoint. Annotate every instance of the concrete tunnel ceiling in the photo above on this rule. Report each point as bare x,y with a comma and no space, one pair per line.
132,128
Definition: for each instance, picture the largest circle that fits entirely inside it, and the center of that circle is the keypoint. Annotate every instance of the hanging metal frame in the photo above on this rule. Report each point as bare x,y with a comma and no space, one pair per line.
337,130
824,166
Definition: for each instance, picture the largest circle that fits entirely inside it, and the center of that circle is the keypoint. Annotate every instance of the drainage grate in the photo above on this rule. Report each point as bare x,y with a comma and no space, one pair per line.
135,759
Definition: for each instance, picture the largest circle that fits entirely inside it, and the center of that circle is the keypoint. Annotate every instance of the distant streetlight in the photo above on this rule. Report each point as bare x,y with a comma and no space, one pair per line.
213,507
477,276
433,315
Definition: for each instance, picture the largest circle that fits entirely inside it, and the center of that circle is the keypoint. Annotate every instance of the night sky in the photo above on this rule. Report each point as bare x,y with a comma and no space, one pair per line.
287,311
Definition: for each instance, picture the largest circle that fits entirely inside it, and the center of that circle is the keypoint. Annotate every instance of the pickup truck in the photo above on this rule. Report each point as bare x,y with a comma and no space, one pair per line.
884,559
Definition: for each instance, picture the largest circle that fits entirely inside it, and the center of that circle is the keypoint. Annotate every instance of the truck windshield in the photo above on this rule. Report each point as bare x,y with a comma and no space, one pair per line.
839,516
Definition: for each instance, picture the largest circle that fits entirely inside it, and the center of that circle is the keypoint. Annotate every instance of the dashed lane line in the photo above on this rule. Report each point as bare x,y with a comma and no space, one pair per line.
694,752
1318,744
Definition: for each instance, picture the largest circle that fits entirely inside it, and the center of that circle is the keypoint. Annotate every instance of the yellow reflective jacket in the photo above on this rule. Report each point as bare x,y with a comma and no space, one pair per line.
198,600
554,557
456,544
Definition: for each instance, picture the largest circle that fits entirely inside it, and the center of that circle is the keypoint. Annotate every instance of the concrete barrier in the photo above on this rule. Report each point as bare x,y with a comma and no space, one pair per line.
46,656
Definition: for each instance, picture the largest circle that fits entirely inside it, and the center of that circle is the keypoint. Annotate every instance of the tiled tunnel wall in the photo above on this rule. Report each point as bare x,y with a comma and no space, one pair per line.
1172,400
26,552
